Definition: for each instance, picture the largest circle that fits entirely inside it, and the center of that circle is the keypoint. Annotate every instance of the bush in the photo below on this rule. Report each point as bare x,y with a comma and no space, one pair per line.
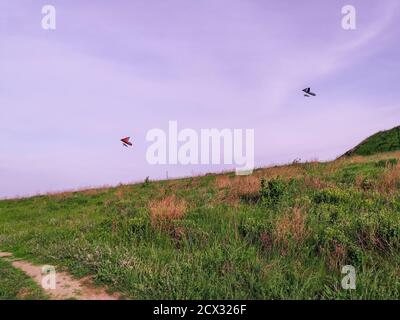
251,229
138,226
333,196
271,192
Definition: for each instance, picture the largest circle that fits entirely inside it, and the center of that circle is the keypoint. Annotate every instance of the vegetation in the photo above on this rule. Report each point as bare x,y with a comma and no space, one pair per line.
15,285
383,141
281,233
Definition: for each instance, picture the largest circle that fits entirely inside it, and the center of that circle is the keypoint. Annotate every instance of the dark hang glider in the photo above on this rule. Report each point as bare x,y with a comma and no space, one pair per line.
126,142
308,92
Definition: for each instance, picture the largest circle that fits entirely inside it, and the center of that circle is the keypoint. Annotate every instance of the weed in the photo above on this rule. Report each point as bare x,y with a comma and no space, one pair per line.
166,210
222,237
271,191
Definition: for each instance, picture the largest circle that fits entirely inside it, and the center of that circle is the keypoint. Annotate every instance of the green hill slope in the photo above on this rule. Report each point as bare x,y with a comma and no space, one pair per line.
283,232
382,141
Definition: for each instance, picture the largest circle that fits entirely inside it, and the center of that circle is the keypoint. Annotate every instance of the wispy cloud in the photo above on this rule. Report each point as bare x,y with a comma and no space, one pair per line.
66,97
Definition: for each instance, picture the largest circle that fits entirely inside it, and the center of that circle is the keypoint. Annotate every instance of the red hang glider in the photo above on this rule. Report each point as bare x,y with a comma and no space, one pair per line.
125,141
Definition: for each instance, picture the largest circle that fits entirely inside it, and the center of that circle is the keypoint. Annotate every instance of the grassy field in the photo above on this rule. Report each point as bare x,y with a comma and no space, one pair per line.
15,285
282,233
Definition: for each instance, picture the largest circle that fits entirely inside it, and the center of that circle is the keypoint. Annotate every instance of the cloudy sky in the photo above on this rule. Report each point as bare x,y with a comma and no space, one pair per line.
116,68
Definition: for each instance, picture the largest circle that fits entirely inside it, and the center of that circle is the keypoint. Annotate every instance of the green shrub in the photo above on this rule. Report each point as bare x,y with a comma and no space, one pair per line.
333,196
251,229
138,226
271,192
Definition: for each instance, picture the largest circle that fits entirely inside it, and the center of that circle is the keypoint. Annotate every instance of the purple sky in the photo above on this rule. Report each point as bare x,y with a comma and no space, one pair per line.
115,68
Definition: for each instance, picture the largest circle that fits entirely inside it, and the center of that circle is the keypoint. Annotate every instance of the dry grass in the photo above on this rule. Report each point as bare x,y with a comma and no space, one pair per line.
222,182
389,181
244,185
337,256
287,171
122,192
24,293
233,189
166,210
381,156
70,193
61,195
359,183
374,157
370,238
266,240
290,227
332,167
176,184
315,183
93,192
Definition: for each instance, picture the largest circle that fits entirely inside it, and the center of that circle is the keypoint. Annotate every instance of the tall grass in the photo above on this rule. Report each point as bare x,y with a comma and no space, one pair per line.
225,237
166,210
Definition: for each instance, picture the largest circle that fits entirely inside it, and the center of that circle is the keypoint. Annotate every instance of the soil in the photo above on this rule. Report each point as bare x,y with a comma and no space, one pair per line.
66,286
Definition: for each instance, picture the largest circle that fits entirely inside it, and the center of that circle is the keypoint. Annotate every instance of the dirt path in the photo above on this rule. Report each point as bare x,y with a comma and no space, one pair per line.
66,287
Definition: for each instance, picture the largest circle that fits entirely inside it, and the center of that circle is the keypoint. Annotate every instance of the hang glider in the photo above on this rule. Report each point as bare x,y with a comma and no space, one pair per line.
308,92
125,141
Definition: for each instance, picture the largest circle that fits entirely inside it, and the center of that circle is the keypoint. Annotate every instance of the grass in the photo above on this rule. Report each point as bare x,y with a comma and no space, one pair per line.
15,285
165,210
282,233
382,141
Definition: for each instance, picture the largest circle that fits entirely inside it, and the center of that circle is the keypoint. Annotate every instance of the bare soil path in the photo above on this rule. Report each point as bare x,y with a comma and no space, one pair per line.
66,287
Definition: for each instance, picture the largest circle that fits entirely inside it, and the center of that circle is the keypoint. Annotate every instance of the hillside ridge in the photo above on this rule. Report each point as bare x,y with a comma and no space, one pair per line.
381,141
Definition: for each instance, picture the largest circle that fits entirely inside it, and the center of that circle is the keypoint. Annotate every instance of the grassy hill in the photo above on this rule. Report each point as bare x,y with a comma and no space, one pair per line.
382,141
283,232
